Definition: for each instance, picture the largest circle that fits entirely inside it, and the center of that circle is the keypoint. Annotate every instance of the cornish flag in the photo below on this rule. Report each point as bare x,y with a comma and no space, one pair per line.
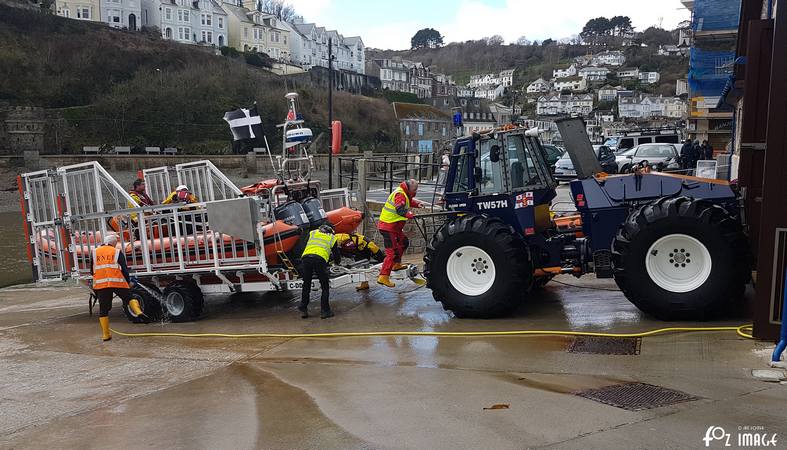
244,123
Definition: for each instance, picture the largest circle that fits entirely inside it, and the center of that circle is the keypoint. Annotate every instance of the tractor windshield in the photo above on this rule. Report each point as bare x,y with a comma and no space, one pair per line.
521,163
491,171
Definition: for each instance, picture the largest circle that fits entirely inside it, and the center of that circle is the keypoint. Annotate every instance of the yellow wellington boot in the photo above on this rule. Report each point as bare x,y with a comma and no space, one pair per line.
105,333
133,306
385,281
398,266
363,286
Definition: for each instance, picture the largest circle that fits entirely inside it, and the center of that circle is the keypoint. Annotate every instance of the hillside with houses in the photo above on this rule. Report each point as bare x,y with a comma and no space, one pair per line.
638,80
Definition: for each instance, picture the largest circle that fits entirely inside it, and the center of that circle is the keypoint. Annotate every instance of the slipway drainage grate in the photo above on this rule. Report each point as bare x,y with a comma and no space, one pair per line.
605,346
636,396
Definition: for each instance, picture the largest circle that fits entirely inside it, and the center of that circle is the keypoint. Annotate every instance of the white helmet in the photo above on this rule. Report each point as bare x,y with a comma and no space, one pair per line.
182,187
110,239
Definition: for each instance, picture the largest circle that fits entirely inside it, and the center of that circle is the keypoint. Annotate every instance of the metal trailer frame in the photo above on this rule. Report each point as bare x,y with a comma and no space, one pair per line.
70,209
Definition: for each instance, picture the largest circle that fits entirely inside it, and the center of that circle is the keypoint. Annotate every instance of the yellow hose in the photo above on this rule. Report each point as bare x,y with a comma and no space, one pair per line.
742,331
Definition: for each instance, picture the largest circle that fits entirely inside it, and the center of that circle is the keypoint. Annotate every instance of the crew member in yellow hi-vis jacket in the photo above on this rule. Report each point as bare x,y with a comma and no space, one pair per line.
314,261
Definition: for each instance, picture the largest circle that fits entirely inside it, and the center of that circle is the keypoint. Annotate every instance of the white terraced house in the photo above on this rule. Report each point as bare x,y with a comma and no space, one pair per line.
551,105
122,13
188,22
539,86
79,9
309,48
609,58
593,73
564,71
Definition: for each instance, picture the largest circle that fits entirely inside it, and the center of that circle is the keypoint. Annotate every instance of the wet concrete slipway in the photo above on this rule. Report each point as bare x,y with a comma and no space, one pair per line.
60,387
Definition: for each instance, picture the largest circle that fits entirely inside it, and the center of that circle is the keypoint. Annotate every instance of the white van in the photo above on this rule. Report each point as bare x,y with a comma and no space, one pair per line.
632,139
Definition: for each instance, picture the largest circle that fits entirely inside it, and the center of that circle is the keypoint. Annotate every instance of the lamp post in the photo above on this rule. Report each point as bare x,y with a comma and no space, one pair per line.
330,111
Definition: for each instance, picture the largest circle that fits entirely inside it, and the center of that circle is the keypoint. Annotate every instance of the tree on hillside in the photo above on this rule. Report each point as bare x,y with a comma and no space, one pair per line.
284,11
494,40
595,29
547,41
653,37
522,41
426,38
620,25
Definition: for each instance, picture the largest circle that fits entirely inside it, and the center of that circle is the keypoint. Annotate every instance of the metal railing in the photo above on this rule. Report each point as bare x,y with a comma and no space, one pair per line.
384,173
161,240
69,211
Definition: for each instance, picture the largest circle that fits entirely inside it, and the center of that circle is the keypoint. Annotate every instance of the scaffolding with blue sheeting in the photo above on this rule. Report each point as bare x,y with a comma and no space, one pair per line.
715,15
709,71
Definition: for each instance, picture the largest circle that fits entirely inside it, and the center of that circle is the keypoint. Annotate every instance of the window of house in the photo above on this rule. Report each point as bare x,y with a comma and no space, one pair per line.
83,12
420,128
245,32
113,16
220,21
65,12
183,15
168,33
407,130
209,20
168,13
184,33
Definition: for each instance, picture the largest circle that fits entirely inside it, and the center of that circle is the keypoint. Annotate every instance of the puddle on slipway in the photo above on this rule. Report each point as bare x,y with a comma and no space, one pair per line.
14,266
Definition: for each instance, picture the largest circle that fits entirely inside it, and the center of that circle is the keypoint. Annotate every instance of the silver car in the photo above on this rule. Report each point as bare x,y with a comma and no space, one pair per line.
661,156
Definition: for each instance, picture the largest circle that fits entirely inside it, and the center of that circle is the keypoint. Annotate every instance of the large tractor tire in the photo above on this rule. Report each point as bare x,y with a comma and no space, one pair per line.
477,266
149,304
680,258
183,302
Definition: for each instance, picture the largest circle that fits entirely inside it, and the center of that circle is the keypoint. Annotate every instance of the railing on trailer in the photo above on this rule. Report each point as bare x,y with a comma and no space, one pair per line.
206,181
69,211
43,225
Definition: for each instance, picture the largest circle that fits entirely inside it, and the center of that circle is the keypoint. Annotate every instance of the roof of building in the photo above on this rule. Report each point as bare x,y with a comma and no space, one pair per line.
568,79
353,40
565,97
589,68
238,11
563,66
539,81
628,69
405,111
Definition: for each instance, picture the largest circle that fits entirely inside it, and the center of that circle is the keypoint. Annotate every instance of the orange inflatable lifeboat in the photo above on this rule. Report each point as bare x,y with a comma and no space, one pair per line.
277,236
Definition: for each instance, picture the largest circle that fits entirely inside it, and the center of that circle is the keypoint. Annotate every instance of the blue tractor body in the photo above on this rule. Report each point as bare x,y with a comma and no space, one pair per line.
503,187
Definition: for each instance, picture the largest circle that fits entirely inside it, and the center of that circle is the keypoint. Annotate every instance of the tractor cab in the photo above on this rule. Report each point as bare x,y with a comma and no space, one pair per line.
502,174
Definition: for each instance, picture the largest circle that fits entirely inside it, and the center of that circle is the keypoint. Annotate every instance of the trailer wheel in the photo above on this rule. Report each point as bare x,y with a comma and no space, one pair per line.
183,302
477,266
147,302
680,258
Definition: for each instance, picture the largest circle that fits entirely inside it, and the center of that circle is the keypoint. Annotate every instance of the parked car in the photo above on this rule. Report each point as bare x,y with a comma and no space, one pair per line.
660,156
564,168
631,139
552,154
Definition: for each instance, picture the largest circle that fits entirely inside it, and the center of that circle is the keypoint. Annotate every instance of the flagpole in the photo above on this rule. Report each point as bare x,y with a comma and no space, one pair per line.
330,111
